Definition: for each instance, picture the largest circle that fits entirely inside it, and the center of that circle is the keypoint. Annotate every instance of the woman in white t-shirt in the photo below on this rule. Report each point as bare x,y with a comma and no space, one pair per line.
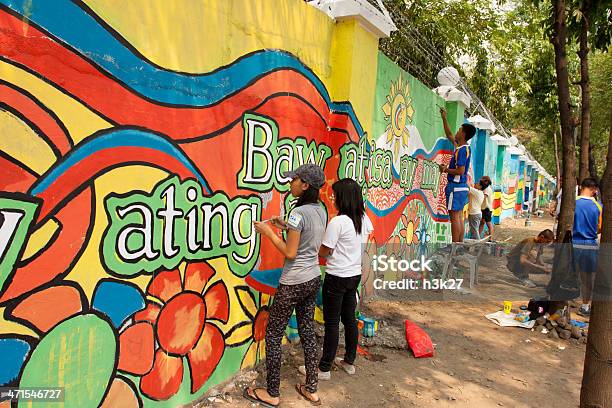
476,197
487,206
342,245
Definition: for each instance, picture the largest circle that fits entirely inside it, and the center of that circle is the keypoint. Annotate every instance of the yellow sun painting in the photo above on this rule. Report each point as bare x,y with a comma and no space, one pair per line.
398,112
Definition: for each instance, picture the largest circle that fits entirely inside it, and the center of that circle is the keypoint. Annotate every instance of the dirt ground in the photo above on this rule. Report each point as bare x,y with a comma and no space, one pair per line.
476,363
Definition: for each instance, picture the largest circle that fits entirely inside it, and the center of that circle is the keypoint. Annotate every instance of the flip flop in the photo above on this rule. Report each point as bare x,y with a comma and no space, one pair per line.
255,398
300,390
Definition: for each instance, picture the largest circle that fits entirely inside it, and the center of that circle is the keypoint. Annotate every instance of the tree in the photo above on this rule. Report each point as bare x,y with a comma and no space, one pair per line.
568,182
589,23
585,116
597,377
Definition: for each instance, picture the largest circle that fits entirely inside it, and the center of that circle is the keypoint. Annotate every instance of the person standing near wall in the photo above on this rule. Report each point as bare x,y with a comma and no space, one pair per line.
587,226
487,206
476,198
298,285
342,245
457,187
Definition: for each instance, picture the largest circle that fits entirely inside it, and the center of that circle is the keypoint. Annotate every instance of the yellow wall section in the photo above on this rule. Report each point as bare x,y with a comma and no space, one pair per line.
18,140
343,55
78,119
354,57
214,33
40,238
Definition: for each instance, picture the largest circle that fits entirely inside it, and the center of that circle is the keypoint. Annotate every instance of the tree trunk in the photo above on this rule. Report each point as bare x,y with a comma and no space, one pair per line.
585,121
557,162
592,166
568,183
596,390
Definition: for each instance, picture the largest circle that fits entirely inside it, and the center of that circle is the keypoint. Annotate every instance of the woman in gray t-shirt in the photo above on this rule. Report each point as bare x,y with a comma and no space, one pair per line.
298,286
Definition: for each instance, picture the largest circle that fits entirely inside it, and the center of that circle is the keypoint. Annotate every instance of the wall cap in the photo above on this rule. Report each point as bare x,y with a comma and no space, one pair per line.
452,94
377,21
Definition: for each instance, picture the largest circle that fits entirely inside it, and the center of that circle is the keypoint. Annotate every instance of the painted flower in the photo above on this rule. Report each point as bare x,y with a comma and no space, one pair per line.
254,329
61,319
409,226
181,318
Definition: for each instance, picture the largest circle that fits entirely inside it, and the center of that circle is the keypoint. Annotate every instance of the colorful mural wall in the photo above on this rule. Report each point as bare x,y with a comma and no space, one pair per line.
407,125
408,203
509,185
137,146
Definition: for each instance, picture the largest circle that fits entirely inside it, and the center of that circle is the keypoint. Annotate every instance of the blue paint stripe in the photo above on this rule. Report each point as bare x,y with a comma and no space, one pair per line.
113,139
72,25
382,213
268,277
441,144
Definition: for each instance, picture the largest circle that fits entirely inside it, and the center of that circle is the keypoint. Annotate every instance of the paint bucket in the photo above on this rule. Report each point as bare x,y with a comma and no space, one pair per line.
507,306
370,326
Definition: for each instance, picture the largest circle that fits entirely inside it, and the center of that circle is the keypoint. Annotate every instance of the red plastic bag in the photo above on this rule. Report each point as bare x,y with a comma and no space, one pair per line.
418,341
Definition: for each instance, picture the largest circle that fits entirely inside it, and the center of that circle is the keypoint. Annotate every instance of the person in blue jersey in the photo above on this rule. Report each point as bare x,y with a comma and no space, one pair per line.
457,188
587,225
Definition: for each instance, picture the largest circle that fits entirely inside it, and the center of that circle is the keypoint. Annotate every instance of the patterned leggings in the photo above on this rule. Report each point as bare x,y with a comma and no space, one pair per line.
302,298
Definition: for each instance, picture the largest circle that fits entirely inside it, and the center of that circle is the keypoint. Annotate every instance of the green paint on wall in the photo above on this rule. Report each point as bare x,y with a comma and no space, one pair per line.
424,103
78,355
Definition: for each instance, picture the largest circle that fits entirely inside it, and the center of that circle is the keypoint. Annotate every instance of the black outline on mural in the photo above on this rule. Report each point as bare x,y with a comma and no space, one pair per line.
31,228
33,127
246,289
8,312
71,265
238,326
148,194
215,133
42,106
19,164
48,245
130,384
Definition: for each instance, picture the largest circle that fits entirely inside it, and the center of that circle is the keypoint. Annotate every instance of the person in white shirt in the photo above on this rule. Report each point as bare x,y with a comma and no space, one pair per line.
342,245
475,199
487,206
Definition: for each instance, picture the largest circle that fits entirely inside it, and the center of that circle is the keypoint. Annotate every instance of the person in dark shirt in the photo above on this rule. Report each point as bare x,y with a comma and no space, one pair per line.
457,188
522,260
587,225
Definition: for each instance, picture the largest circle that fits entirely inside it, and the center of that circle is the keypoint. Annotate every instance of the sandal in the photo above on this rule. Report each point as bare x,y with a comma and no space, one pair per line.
300,390
256,399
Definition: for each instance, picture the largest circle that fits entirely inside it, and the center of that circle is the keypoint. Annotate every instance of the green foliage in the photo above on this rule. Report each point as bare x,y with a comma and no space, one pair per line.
600,65
503,50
